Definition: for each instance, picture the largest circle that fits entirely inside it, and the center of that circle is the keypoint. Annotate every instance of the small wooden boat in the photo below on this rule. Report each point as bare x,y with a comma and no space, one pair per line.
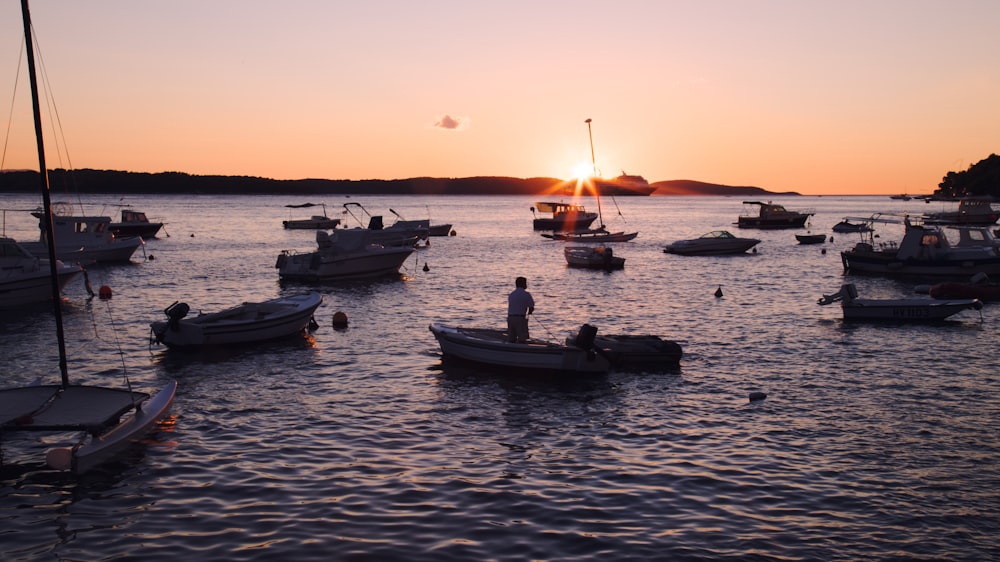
490,347
601,257
810,238
901,310
247,323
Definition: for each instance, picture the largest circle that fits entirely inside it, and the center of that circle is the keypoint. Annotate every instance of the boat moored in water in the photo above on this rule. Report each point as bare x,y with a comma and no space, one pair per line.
135,223
714,243
906,309
771,216
565,216
249,322
601,257
342,254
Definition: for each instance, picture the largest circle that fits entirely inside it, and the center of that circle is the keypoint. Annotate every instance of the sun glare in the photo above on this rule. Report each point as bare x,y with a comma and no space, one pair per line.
583,170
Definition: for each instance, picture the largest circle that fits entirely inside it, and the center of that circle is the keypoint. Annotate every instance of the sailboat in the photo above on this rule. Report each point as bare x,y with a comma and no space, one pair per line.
599,235
108,419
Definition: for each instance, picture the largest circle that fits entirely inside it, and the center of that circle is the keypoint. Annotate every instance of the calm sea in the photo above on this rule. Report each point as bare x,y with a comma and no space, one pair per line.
874,441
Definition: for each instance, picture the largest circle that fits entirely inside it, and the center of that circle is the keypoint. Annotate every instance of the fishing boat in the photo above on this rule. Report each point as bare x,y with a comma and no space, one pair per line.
772,216
399,233
924,250
135,223
106,420
342,254
26,279
589,257
810,238
249,322
714,243
565,216
81,238
906,309
971,211
486,346
315,222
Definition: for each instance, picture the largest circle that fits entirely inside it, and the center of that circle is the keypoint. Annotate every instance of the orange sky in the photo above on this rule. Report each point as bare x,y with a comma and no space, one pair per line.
847,97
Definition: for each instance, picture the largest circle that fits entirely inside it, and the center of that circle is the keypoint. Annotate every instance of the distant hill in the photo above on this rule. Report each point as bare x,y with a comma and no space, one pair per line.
692,187
111,181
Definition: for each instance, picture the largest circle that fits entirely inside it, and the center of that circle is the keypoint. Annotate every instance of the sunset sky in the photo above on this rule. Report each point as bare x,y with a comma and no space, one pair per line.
819,97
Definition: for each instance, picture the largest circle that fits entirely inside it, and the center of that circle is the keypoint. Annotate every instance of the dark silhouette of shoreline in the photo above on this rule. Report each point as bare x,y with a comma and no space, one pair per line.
133,183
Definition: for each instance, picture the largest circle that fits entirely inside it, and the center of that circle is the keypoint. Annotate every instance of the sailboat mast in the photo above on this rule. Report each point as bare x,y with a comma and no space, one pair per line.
593,161
43,174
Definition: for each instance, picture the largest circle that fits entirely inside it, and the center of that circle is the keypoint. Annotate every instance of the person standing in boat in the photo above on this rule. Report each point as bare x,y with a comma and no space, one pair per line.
519,305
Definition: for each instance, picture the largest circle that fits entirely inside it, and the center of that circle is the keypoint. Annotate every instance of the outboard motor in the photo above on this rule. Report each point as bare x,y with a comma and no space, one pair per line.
585,338
175,312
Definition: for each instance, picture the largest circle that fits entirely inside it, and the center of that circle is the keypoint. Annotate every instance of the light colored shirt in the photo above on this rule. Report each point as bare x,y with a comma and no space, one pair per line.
519,302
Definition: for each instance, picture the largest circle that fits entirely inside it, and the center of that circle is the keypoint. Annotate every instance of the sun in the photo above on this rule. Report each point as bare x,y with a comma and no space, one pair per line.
583,170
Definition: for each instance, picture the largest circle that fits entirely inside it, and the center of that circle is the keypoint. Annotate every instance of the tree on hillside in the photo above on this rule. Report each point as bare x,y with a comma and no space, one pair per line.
982,178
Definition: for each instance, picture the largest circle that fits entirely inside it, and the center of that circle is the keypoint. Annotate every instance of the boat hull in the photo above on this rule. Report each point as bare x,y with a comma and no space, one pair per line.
593,258
490,347
711,247
143,230
315,266
247,323
907,310
884,263
772,223
33,287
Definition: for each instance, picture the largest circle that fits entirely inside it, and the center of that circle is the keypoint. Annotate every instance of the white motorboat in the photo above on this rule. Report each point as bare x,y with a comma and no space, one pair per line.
714,243
26,279
924,250
108,420
246,323
490,347
82,239
135,223
315,222
904,310
342,254
601,257
771,216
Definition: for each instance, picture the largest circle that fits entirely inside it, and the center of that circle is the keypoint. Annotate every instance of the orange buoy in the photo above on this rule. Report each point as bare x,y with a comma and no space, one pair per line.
104,292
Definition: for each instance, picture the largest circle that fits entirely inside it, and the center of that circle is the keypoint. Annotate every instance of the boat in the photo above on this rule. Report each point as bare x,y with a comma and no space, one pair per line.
135,223
924,250
637,352
107,420
245,323
594,236
624,184
906,309
80,238
846,225
399,233
487,346
601,257
421,225
342,254
565,216
901,197
979,286
714,243
314,222
971,211
810,238
772,216
26,279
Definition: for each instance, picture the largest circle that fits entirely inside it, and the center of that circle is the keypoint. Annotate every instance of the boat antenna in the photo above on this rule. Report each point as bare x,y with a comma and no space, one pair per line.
43,175
593,161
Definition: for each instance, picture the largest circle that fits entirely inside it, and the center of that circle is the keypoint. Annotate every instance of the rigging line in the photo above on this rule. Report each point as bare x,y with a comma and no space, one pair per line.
13,100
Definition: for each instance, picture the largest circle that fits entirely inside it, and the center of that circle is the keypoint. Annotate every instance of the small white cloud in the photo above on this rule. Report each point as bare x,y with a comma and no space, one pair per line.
450,123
